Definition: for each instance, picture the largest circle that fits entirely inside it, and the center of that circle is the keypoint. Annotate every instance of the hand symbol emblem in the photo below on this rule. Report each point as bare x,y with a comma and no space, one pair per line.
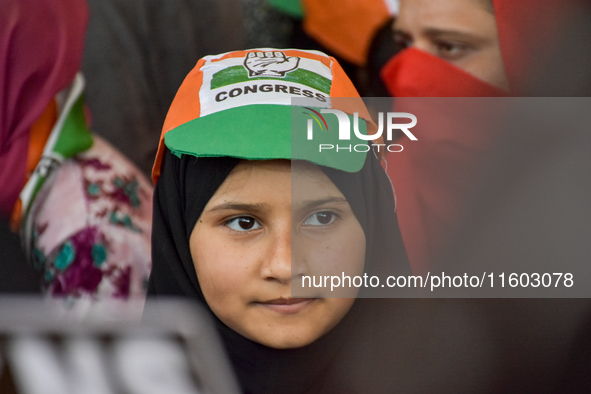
269,64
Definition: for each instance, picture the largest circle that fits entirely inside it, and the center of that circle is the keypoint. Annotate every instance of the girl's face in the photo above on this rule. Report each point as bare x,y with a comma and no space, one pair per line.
242,251
462,32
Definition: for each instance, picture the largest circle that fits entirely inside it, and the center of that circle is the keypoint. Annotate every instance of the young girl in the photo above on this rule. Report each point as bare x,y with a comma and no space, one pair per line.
237,222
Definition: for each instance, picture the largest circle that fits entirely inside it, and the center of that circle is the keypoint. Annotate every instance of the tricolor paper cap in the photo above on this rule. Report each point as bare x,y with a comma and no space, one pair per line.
239,104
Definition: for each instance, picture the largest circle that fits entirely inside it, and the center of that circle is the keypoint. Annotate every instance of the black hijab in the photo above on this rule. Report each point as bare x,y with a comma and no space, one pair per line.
185,186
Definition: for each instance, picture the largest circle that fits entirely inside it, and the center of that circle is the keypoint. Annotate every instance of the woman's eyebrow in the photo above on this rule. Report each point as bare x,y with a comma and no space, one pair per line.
240,207
452,34
398,33
310,204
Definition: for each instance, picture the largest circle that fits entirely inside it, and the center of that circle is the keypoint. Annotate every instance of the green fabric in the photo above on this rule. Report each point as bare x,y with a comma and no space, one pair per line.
74,136
290,7
237,74
264,132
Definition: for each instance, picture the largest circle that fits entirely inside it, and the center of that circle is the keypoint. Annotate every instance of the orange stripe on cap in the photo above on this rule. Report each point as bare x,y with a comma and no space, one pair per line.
184,108
343,87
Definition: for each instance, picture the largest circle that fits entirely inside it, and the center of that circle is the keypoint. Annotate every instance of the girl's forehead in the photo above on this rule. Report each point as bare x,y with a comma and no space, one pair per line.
264,179
280,165
288,168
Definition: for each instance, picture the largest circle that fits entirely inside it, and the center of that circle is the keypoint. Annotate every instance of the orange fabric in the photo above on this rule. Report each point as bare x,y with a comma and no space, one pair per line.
341,84
38,136
15,217
345,26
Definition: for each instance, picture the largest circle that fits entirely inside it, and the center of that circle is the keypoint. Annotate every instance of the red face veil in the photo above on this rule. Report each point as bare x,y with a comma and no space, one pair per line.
41,43
415,73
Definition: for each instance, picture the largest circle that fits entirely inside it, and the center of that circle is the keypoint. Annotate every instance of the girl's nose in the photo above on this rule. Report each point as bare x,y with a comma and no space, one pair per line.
277,261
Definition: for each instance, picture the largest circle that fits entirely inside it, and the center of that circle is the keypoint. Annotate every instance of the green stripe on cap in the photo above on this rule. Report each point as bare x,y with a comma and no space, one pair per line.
264,132
237,74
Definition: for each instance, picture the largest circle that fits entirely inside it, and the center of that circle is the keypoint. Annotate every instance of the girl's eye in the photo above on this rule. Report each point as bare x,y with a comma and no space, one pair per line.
321,219
243,223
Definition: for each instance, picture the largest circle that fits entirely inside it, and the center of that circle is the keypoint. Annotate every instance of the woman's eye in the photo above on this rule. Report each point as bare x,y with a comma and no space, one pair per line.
402,40
321,219
450,50
243,223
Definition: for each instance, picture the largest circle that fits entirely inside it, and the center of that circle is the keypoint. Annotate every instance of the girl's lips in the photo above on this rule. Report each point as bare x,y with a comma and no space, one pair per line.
287,306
